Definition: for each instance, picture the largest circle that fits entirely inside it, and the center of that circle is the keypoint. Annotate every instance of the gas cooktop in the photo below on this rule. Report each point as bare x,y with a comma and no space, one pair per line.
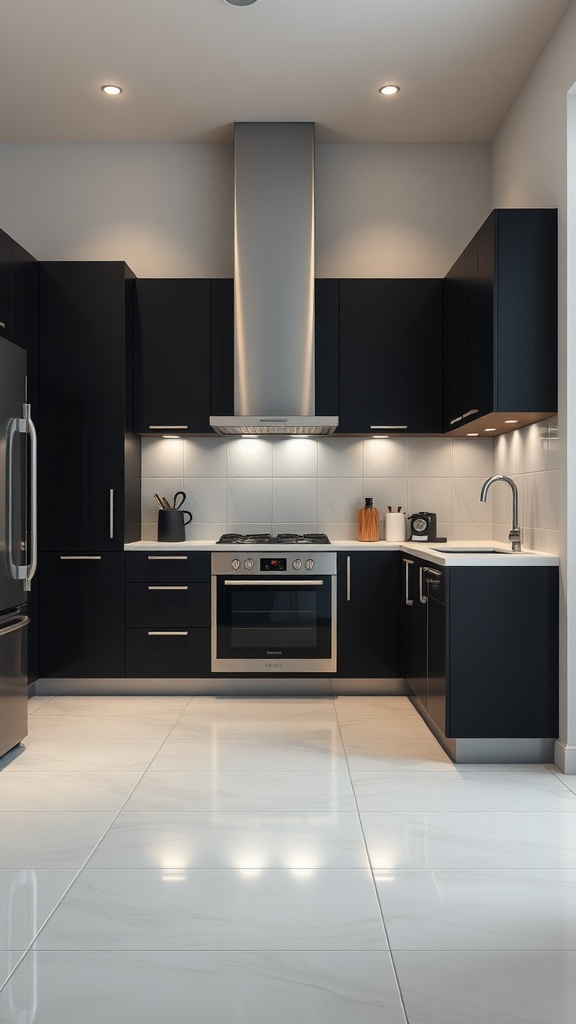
268,538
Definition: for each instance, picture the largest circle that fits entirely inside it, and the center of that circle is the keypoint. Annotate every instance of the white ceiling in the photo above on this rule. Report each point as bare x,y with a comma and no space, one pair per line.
190,68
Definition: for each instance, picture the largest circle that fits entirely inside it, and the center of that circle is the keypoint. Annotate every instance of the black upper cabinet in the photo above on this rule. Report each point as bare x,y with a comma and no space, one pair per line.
391,356
88,460
501,323
172,366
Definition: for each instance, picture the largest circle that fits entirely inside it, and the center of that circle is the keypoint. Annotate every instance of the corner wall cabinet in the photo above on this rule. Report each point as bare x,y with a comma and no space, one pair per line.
500,339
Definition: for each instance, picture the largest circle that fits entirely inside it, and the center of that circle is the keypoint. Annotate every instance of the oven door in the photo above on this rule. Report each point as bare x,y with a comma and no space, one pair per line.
273,625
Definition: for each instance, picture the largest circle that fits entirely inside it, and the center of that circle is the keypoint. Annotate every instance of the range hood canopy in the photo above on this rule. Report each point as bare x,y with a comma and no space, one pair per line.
274,282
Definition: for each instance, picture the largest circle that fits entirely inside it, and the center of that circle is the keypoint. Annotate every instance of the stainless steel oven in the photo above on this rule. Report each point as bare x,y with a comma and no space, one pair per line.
274,611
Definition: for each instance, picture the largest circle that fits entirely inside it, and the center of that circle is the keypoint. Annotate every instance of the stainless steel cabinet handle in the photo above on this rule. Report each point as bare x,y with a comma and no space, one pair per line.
431,572
407,562
18,623
167,426
2,324
167,632
273,583
111,513
167,558
470,412
457,419
348,578
389,426
167,588
423,599
80,558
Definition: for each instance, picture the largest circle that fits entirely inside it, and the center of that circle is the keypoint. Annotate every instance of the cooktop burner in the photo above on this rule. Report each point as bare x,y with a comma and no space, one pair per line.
268,538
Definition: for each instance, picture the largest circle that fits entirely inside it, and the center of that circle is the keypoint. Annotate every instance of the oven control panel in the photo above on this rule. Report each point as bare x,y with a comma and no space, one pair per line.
284,563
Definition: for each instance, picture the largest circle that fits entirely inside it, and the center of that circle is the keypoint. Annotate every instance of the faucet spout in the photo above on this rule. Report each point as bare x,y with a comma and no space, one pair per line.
514,535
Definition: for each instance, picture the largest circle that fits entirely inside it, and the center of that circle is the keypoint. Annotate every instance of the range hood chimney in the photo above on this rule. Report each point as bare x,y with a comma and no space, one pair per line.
274,282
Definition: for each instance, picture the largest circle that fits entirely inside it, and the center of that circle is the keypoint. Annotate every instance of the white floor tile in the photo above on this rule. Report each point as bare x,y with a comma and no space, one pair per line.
53,754
214,909
27,898
267,840
8,961
230,749
207,987
424,839
49,840
249,709
65,791
461,791
225,791
488,987
130,707
482,910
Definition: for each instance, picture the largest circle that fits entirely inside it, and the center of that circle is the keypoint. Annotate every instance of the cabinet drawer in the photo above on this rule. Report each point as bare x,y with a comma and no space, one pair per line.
157,605
170,653
168,567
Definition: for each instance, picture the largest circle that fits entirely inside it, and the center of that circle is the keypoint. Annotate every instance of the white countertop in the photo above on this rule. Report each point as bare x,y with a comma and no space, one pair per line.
444,556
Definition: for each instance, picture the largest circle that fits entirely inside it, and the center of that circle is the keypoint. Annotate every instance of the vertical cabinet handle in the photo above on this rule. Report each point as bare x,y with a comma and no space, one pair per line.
423,599
407,563
111,508
348,579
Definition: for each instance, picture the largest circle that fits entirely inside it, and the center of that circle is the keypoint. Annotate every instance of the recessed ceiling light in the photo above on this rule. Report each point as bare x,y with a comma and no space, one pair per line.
240,3
389,90
488,429
111,90
471,435
510,421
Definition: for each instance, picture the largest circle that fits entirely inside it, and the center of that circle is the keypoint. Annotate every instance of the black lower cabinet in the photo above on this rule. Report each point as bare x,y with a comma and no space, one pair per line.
81,612
168,614
485,662
368,615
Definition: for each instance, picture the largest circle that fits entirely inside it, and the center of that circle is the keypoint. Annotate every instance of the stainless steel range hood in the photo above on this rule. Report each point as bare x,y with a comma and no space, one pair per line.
274,283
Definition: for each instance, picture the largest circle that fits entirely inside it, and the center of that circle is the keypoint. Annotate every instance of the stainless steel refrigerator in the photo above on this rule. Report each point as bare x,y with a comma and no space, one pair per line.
17,541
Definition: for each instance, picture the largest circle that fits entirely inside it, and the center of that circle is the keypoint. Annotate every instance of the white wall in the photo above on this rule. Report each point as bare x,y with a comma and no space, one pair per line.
404,211
303,485
529,168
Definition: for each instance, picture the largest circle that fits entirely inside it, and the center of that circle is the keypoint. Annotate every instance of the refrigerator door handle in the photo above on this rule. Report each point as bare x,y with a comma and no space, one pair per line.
22,425
17,623
15,426
33,563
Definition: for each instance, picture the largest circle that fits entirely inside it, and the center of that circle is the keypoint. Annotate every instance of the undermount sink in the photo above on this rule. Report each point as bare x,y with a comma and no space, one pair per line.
475,551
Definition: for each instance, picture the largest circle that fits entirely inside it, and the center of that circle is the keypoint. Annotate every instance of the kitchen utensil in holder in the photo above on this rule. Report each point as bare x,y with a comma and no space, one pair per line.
172,524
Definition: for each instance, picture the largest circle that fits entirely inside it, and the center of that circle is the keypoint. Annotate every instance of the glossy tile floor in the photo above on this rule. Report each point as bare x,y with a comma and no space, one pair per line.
290,861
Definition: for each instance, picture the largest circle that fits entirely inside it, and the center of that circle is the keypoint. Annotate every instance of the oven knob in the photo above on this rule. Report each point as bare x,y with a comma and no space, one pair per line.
235,563
309,563
297,563
249,563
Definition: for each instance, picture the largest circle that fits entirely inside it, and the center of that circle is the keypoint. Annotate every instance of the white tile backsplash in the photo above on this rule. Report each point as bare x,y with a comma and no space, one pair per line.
303,484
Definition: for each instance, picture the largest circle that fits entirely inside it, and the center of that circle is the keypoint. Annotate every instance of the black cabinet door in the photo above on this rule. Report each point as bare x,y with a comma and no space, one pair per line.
85,337
368,623
436,646
502,661
390,356
5,286
167,653
413,627
500,339
81,612
172,364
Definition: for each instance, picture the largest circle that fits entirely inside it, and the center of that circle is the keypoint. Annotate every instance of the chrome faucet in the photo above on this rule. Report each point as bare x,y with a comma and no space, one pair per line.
514,534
